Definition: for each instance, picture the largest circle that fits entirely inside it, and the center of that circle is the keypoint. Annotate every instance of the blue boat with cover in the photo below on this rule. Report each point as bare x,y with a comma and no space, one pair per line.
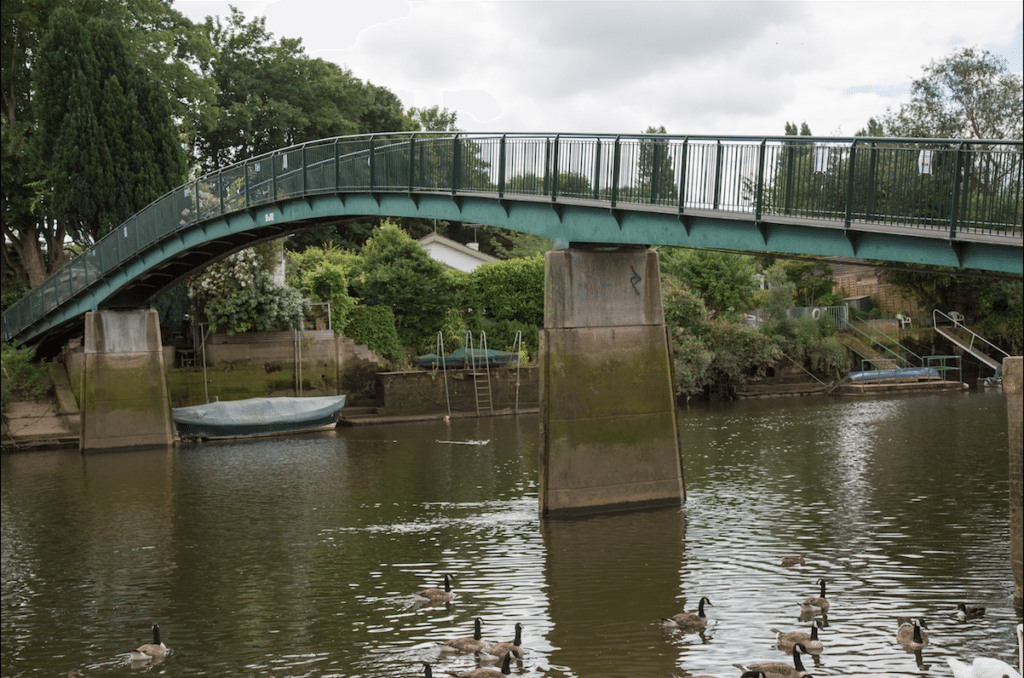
258,417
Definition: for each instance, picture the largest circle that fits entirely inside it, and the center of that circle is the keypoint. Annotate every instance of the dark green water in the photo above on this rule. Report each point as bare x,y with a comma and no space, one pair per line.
298,557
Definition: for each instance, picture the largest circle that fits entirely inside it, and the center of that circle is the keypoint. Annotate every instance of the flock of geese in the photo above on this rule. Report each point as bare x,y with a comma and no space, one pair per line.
910,633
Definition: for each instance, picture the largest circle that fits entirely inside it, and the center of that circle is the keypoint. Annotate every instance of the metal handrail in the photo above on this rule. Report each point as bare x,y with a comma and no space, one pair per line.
974,335
975,192
906,362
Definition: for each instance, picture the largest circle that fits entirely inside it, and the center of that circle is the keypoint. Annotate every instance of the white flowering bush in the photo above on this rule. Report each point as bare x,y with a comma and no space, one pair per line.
238,294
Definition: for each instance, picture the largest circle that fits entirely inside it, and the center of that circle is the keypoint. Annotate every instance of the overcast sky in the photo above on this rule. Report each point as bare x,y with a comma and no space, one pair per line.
740,68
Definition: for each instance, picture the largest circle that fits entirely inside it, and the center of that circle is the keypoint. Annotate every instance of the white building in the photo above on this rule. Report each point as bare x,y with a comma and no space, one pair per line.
453,254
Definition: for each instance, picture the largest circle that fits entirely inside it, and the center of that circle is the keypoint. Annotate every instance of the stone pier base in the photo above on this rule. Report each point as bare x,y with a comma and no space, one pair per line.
124,399
609,438
1013,375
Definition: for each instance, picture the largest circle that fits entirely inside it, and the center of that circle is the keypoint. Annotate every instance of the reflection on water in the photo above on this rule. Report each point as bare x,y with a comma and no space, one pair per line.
299,557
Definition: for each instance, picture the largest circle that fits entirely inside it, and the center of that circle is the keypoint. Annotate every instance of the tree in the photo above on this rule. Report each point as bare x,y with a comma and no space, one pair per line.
156,38
434,119
970,94
810,278
272,95
656,176
395,271
105,128
725,281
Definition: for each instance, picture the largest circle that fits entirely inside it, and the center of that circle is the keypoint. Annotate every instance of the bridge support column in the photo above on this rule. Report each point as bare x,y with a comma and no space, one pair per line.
125,400
1013,387
609,438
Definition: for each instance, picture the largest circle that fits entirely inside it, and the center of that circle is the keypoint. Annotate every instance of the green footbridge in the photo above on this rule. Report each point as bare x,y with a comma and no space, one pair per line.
927,201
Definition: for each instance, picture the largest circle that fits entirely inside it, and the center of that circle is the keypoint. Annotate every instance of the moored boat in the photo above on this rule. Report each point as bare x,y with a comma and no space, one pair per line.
258,417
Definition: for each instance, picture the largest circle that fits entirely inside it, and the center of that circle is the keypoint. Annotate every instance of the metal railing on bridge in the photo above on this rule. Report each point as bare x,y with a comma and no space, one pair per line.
959,188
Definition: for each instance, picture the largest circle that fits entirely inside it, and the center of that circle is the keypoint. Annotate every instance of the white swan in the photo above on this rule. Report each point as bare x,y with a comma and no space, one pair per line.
985,667
982,667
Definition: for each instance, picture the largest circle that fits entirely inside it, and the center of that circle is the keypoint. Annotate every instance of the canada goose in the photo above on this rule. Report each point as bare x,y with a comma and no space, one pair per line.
965,611
982,667
498,650
786,641
790,561
816,604
75,673
154,650
782,669
436,596
688,620
506,670
465,644
911,634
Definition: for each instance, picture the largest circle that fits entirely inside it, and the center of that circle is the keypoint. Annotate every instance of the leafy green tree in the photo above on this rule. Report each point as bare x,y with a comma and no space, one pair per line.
22,377
394,271
434,119
375,327
811,280
725,281
382,111
273,95
971,94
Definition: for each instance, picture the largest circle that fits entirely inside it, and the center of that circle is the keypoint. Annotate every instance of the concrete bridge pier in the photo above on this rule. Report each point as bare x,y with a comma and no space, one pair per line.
609,438
124,400
1013,387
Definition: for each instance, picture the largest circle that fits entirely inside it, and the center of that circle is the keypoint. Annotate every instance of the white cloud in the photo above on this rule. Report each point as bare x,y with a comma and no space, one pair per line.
621,65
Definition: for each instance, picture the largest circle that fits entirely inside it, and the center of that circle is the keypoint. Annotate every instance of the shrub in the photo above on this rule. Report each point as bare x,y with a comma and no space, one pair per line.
22,377
375,327
509,290
239,295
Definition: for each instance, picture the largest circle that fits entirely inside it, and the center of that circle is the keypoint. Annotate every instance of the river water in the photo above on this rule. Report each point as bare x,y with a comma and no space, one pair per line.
298,557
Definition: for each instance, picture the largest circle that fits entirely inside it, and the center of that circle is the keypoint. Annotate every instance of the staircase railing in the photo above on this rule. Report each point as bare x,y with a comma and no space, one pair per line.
900,357
955,318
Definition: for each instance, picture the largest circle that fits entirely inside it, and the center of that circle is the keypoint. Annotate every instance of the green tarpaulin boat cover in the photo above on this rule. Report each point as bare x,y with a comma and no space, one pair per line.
465,356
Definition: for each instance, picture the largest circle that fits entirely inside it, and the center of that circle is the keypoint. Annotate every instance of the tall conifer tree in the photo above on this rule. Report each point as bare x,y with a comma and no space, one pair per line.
105,127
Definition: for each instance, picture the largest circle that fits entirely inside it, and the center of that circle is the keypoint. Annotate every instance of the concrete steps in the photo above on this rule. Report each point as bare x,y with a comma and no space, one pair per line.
37,424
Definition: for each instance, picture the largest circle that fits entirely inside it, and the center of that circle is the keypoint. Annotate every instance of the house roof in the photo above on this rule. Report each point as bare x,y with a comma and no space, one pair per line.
453,254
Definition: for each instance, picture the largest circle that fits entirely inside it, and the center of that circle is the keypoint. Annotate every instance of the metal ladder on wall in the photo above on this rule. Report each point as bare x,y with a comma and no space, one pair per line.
480,368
